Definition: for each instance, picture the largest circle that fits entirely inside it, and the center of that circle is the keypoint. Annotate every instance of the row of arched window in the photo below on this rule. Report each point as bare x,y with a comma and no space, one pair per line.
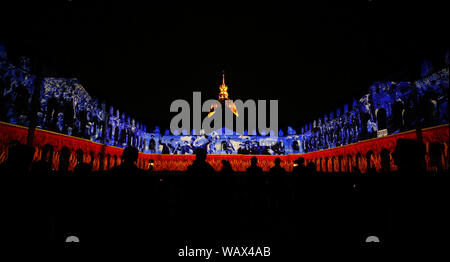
66,159
372,162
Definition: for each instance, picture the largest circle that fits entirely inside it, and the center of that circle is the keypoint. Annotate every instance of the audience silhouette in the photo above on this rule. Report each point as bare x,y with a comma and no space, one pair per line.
128,166
43,167
207,205
409,156
277,170
311,167
227,170
200,167
299,166
254,169
20,158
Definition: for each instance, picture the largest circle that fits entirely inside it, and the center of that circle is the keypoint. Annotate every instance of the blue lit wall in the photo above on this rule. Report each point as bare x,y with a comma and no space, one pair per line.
63,105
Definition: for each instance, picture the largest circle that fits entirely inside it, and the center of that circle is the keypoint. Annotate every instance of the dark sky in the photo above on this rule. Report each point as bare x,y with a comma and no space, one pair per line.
311,57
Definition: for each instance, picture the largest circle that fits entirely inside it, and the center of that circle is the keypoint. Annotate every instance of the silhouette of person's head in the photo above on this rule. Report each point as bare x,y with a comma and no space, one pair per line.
254,161
301,161
200,168
409,154
130,154
200,155
277,161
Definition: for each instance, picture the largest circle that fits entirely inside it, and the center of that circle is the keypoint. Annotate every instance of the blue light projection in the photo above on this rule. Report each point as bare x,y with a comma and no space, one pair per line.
63,105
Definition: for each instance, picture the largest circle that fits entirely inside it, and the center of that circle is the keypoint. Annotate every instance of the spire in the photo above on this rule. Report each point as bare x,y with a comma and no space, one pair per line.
223,95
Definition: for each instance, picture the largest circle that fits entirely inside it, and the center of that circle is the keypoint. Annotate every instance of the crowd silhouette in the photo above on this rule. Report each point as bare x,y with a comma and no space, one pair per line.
130,206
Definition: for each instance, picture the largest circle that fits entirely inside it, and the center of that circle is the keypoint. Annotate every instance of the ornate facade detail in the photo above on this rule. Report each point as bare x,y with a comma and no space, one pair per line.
63,105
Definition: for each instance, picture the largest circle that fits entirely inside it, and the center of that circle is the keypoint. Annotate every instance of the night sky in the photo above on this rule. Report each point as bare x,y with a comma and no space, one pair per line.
312,58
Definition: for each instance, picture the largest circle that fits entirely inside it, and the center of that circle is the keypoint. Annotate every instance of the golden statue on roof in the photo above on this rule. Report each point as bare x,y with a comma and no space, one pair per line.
223,96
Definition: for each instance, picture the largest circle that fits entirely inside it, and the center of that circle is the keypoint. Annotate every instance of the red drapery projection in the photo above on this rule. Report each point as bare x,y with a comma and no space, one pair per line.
369,152
343,158
8,133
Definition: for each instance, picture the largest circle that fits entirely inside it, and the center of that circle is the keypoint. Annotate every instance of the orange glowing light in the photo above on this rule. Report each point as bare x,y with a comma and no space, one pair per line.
223,96
211,110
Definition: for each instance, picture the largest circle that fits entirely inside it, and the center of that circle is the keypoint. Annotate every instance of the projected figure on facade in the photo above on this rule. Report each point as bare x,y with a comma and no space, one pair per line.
64,106
21,102
52,109
186,148
227,146
101,128
213,139
116,125
132,133
110,127
69,114
202,141
152,144
82,118
122,131
173,146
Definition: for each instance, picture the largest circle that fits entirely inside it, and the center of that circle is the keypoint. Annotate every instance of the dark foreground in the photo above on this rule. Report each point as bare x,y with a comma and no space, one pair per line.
164,212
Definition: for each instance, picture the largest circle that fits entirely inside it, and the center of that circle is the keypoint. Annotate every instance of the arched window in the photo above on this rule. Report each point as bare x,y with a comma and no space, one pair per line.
64,159
108,161
349,163
385,158
295,146
101,161
47,153
79,154
382,119
92,155
333,168
397,115
370,165
152,145
357,168
436,151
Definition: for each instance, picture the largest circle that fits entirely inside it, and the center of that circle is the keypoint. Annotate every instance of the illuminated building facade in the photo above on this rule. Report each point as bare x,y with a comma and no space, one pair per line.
62,105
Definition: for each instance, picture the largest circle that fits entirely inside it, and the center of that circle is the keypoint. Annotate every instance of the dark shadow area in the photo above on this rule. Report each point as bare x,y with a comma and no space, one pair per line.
161,212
